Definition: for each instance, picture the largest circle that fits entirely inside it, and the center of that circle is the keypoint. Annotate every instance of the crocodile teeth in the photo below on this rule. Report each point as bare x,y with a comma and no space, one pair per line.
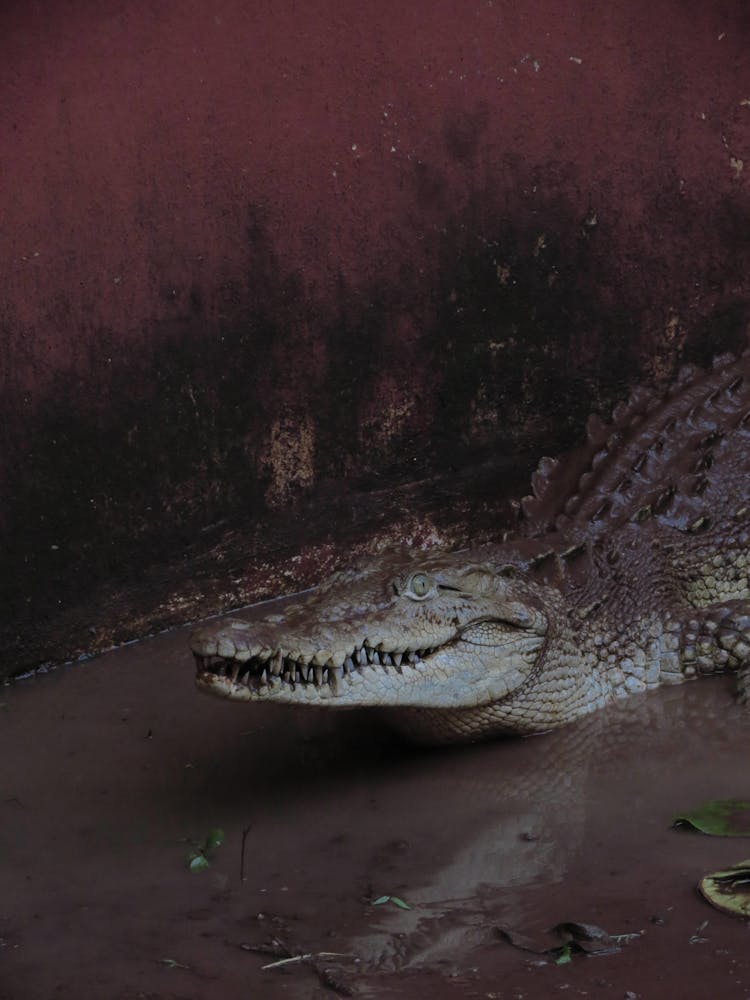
271,667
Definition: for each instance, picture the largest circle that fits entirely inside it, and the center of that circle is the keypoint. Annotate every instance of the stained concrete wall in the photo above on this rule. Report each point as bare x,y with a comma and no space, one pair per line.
264,263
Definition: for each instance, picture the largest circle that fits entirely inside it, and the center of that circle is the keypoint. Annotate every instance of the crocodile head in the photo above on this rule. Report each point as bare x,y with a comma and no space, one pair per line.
409,630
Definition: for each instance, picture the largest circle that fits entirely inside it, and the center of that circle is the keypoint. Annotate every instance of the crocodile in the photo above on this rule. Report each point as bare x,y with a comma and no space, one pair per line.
627,569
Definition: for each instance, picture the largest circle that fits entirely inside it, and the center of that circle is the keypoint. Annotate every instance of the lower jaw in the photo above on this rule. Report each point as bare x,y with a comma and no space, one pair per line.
223,687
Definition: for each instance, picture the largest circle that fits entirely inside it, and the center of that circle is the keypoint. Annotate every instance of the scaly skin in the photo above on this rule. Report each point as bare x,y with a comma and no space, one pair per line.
629,571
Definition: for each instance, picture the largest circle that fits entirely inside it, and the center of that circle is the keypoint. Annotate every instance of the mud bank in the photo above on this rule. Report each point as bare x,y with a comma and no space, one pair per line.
115,770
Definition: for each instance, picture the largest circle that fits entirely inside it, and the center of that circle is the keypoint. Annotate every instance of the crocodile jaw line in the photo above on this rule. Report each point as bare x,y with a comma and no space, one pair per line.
369,676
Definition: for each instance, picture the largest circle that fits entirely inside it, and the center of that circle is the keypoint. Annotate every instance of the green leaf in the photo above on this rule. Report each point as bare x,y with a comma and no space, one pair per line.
565,955
198,862
200,859
214,839
396,900
729,890
720,818
400,903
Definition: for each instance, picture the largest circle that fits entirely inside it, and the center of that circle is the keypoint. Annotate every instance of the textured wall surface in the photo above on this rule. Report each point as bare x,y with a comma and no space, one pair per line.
261,262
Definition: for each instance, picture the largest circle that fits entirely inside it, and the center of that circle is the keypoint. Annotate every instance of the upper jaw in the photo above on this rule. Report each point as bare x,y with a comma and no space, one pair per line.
249,672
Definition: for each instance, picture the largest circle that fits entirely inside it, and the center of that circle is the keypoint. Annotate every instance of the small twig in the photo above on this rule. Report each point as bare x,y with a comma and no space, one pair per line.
286,961
172,963
328,977
242,854
311,956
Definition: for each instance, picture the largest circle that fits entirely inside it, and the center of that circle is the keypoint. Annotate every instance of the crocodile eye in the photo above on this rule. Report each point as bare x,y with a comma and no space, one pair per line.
420,585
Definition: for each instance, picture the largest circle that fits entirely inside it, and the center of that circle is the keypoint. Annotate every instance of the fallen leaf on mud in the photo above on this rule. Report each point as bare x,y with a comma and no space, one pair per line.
572,938
720,818
587,938
400,903
396,900
729,890
199,860
214,839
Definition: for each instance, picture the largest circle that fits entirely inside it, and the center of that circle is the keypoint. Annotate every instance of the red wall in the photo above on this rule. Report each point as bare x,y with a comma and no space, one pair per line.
251,250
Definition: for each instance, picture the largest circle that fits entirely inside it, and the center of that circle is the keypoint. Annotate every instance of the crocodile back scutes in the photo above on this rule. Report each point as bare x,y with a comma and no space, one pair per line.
682,458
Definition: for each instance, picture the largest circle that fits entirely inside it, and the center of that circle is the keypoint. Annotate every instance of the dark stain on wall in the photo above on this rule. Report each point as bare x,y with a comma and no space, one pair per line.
506,359
528,349
463,133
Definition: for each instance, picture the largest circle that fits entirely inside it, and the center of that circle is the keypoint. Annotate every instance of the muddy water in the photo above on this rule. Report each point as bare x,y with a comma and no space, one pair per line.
112,771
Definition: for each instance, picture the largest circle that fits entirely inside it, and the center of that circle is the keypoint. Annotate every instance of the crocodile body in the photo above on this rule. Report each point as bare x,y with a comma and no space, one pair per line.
629,569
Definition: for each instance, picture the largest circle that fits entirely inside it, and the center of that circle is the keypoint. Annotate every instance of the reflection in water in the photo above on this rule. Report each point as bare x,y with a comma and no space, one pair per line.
508,822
